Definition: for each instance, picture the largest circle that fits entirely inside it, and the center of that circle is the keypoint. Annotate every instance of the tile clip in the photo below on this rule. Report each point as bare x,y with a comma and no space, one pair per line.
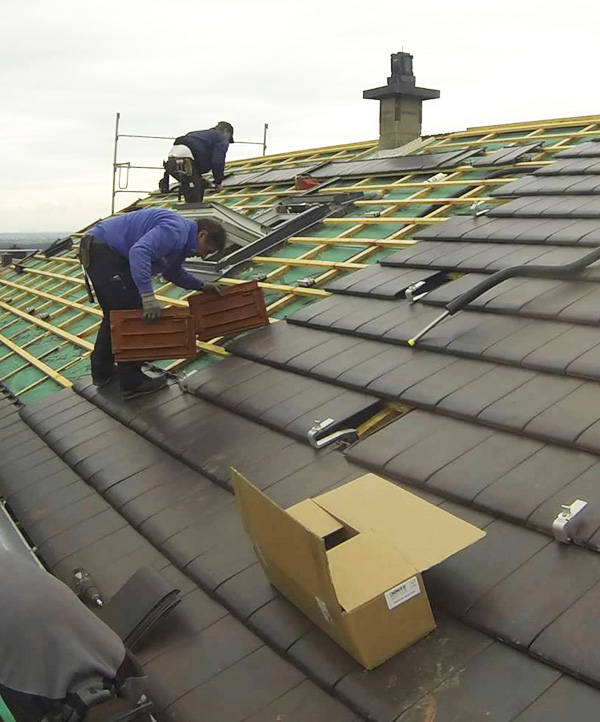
562,526
412,292
317,438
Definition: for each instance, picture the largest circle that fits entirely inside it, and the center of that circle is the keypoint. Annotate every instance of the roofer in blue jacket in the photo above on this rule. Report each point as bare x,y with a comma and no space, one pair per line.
121,255
196,153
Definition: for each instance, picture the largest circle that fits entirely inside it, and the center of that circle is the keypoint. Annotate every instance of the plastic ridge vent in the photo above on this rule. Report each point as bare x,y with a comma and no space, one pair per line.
172,337
239,309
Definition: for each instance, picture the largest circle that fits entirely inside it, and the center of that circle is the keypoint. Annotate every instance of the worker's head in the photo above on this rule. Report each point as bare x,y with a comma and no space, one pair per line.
212,237
225,128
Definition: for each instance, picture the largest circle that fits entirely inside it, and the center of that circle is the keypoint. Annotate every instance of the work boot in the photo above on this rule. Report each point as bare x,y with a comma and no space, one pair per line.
100,380
148,385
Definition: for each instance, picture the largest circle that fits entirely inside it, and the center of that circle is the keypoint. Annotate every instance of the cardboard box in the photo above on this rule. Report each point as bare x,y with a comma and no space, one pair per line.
351,559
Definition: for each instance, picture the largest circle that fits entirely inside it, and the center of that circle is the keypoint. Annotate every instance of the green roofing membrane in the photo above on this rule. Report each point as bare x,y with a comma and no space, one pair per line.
399,193
510,135
565,129
467,138
9,362
337,253
25,378
379,230
550,143
474,175
361,224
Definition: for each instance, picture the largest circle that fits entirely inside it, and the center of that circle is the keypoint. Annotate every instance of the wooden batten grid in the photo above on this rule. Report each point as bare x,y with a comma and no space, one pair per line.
55,286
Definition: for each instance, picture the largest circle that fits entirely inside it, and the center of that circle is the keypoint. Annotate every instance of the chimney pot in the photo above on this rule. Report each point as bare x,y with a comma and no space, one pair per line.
402,70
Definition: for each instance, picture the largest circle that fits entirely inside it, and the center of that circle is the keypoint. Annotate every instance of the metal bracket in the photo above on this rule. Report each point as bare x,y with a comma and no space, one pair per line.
437,177
411,291
19,265
318,440
562,526
479,208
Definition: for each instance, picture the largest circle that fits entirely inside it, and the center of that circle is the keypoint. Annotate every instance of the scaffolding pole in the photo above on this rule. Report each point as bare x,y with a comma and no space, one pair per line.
114,178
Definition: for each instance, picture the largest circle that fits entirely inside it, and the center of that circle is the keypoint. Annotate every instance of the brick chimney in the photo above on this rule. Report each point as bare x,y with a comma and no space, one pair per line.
400,109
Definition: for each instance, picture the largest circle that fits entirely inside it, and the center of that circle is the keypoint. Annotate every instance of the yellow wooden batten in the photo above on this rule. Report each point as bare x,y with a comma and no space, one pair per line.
50,372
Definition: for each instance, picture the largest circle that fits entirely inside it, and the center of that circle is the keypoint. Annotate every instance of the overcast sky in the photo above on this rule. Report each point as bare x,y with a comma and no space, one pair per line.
171,66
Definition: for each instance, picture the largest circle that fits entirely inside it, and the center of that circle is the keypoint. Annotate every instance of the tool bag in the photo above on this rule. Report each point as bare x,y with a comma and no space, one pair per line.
180,168
84,259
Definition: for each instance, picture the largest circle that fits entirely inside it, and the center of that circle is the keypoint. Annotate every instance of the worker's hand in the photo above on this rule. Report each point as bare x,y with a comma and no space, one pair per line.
211,287
217,187
150,308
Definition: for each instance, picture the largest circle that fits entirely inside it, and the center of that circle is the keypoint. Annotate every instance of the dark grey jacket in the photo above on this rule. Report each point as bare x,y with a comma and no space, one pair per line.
49,641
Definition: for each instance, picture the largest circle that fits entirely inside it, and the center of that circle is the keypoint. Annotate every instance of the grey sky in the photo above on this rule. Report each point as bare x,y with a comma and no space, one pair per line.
169,67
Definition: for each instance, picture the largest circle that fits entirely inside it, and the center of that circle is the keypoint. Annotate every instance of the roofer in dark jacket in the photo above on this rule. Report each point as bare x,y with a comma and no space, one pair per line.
57,659
196,153
120,256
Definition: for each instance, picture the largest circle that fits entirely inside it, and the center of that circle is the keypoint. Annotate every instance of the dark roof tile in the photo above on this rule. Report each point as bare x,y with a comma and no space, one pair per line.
473,691
461,581
565,697
385,693
523,604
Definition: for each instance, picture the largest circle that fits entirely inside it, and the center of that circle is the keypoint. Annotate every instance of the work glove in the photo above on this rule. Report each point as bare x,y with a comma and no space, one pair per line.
217,187
211,287
150,308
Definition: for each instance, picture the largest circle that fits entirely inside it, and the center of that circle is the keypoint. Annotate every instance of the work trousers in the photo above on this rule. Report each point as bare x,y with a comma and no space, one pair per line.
115,289
193,184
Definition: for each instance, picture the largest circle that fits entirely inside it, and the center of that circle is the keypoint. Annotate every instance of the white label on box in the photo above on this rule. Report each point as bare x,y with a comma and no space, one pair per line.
324,610
402,593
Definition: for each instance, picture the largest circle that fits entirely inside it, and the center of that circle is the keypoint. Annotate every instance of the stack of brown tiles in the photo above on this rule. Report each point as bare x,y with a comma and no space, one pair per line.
239,308
172,337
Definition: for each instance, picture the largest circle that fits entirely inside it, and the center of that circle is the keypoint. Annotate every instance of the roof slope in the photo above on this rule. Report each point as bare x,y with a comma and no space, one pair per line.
494,415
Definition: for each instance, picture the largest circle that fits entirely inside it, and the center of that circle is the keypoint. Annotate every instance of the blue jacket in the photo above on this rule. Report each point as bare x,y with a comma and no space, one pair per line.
209,148
155,241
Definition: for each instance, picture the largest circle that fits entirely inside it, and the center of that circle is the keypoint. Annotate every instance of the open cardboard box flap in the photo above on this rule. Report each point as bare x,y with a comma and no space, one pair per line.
423,533
287,547
393,534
